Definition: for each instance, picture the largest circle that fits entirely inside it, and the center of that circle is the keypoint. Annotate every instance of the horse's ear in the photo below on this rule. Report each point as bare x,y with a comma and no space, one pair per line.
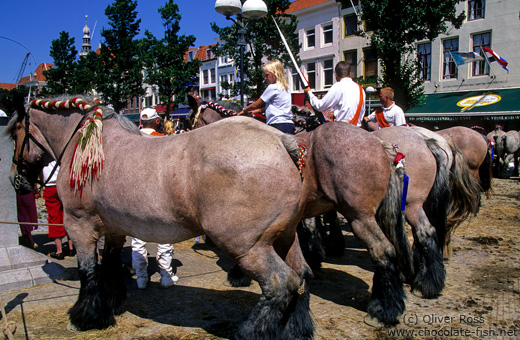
193,103
18,103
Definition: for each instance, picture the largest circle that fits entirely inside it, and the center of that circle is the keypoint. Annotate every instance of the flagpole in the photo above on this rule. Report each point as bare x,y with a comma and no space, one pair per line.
304,81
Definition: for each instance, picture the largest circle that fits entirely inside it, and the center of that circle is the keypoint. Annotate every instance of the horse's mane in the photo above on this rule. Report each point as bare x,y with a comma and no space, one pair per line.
108,113
225,104
10,126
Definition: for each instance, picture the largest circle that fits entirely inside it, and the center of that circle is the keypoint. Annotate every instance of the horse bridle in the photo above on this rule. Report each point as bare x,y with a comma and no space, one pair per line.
20,161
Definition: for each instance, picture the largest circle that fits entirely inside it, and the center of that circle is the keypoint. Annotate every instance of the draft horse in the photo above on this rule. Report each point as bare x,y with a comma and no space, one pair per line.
347,169
427,204
464,188
205,176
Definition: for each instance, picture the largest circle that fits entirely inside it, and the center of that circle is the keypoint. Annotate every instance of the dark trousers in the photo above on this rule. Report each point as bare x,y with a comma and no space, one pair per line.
285,127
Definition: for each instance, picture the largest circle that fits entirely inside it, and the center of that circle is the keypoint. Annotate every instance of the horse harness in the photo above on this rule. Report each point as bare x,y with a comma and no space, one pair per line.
82,125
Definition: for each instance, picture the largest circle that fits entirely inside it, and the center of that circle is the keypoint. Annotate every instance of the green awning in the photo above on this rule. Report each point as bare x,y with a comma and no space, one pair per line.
469,104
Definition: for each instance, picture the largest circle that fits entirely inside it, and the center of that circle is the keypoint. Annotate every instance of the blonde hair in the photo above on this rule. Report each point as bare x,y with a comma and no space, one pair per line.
276,68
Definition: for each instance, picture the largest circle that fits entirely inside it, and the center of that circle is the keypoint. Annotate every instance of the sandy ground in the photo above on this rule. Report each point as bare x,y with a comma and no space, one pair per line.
481,299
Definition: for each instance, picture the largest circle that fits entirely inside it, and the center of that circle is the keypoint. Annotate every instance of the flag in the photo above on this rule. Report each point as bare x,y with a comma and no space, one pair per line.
496,57
461,58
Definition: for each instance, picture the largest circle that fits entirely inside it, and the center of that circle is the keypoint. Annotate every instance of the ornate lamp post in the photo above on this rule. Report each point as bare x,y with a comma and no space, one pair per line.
252,9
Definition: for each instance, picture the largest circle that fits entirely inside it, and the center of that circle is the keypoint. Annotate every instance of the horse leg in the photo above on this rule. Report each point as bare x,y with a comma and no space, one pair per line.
430,274
112,272
388,294
311,242
299,324
94,307
237,278
283,309
335,242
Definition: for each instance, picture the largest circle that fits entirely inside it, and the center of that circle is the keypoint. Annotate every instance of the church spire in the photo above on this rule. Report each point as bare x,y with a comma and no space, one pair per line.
85,47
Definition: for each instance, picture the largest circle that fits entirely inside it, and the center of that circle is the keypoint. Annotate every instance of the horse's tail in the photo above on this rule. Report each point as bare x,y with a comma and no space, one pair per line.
438,202
485,173
390,216
465,191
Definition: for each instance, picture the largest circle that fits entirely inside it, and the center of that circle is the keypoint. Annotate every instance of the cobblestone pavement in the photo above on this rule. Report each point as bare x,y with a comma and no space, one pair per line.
481,299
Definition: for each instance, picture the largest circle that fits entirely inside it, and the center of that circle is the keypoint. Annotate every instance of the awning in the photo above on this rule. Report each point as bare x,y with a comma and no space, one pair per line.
486,109
472,103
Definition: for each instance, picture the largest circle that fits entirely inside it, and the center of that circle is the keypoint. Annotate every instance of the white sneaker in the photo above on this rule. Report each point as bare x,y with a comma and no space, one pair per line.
168,281
142,282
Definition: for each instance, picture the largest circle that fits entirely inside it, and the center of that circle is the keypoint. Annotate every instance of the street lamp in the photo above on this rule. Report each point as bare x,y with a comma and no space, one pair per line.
369,90
252,9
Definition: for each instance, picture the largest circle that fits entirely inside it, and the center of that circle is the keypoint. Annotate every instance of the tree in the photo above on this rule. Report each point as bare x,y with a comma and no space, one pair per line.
60,78
120,77
264,42
164,58
396,25
87,68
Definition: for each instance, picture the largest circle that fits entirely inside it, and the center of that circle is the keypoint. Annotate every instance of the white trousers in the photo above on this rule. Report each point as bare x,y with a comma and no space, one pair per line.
140,258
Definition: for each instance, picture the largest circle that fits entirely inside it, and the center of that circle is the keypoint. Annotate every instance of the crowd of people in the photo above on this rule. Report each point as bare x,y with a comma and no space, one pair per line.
345,98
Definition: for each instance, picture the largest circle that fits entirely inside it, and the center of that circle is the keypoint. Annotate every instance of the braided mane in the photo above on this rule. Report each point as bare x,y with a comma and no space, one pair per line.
87,158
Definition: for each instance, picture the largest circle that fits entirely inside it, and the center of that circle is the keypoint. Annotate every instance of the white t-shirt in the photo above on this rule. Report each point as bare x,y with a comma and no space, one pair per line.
277,105
47,171
394,115
343,98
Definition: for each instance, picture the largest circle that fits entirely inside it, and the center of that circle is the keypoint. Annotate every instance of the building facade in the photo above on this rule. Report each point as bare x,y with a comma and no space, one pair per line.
483,90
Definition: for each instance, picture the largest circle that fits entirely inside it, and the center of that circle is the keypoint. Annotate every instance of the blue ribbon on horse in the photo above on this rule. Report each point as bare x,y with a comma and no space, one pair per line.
405,192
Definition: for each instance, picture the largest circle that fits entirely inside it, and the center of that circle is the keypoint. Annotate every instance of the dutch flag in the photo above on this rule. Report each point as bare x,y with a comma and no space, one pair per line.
496,57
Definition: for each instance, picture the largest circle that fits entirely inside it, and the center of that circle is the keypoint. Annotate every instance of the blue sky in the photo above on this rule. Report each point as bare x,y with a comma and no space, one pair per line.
35,23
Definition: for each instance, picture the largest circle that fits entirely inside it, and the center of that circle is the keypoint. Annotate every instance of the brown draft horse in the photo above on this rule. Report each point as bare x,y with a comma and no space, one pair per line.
205,176
464,188
427,204
347,169
474,147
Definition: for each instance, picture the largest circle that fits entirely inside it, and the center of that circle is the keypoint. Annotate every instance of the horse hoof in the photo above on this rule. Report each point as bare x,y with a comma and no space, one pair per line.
373,322
72,328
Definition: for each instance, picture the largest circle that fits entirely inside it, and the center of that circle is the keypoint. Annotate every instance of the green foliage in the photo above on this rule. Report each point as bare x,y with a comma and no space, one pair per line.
264,42
164,58
120,76
395,25
60,78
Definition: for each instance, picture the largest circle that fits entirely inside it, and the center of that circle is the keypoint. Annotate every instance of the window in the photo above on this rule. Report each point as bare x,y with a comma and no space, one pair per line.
350,24
223,79
370,64
205,79
449,70
231,78
295,79
476,9
191,55
424,54
311,74
311,38
212,72
481,68
327,34
351,59
328,73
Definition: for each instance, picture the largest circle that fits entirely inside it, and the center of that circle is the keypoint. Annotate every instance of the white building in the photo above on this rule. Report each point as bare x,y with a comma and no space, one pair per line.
479,92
